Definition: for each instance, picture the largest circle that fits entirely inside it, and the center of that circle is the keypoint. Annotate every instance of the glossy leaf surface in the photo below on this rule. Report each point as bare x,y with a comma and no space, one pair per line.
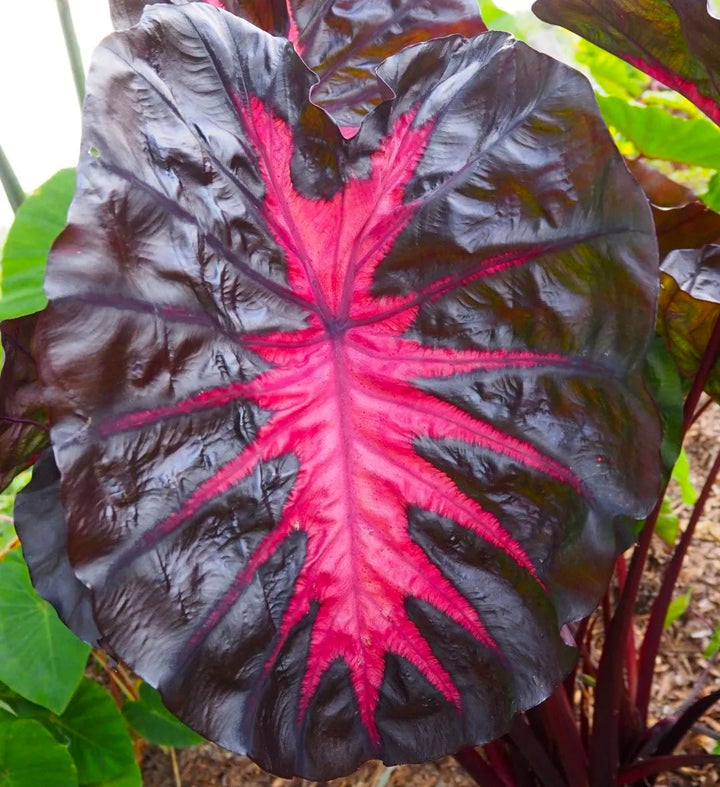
343,41
24,428
344,426
682,221
41,526
674,41
689,307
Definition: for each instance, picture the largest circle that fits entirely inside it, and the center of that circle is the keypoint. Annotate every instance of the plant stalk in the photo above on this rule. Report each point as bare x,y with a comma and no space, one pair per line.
8,548
11,185
657,765
477,767
175,768
72,47
605,745
559,723
710,356
651,641
631,655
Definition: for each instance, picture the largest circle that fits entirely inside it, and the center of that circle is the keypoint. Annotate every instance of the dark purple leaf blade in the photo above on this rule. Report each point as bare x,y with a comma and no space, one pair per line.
269,15
339,419
343,41
689,306
41,526
682,221
674,41
24,428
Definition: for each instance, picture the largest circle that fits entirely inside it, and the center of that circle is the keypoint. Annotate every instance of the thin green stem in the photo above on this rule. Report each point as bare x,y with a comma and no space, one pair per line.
73,48
11,184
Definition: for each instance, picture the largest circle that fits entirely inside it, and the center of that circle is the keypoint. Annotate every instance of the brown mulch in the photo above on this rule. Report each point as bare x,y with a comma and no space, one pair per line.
681,670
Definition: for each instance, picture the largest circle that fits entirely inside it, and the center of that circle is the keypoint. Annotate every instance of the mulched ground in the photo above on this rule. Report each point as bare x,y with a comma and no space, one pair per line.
682,672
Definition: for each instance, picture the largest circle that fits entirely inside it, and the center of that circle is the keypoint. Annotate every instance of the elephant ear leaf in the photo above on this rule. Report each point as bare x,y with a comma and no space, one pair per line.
682,220
674,41
24,427
270,15
689,308
345,427
342,41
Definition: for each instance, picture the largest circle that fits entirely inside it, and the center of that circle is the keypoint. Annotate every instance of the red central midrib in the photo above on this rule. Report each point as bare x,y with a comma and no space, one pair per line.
346,437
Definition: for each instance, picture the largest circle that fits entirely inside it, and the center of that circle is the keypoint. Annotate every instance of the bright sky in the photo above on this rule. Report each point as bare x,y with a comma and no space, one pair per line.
39,115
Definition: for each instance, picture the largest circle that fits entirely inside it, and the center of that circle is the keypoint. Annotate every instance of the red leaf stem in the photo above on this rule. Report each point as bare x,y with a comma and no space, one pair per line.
496,754
709,358
560,726
684,722
651,641
478,768
631,655
701,410
604,751
657,765
535,754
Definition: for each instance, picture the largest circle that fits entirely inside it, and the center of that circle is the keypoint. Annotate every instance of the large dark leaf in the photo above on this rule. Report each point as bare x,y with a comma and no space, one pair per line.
270,15
674,41
41,526
689,308
687,226
23,412
345,427
343,41
682,221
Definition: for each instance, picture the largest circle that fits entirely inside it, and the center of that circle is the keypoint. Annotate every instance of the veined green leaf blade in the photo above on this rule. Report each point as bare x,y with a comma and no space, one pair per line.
31,757
37,223
658,134
99,740
40,658
151,719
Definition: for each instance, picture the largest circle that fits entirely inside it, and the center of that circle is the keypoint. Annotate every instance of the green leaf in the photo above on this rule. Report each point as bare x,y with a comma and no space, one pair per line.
713,647
678,607
491,14
31,757
7,502
658,134
85,732
665,384
151,719
712,196
37,223
99,740
667,526
130,778
614,76
497,19
681,474
39,657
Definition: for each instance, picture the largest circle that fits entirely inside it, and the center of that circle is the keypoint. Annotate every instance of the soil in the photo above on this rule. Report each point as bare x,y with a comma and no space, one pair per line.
682,673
